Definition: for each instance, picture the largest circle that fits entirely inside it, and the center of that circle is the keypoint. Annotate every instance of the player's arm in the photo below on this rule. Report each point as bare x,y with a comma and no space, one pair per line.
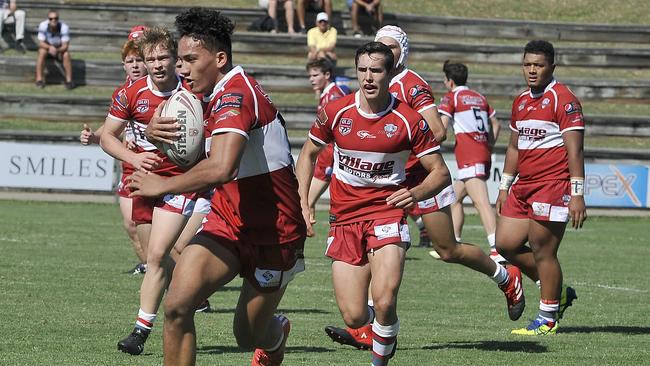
437,179
304,173
222,166
446,121
495,128
574,143
509,170
64,47
110,142
432,117
90,137
316,189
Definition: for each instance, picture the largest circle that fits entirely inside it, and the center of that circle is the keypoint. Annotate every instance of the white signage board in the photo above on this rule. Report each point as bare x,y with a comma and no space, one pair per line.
55,166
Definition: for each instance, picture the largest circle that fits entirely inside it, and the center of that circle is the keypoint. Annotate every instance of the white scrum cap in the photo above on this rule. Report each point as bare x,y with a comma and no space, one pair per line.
400,36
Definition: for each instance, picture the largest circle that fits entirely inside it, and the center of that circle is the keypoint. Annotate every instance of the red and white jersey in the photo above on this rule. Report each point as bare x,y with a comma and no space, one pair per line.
262,203
331,93
540,120
324,163
135,106
411,88
470,114
127,168
370,155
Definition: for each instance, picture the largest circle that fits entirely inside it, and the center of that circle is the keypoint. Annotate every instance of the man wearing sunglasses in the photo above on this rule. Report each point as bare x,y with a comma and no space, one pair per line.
54,42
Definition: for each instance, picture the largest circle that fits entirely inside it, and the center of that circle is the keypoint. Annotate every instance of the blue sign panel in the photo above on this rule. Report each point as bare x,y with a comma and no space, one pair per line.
616,185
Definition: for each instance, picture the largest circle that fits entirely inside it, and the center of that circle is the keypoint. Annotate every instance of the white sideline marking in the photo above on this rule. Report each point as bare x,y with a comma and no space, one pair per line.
11,240
608,287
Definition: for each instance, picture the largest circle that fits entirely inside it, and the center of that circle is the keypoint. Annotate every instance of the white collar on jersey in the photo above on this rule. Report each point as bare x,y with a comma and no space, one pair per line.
158,93
548,87
235,70
399,76
373,115
459,88
327,88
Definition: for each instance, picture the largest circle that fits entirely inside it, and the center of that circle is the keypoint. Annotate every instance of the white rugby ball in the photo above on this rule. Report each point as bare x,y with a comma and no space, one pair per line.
188,111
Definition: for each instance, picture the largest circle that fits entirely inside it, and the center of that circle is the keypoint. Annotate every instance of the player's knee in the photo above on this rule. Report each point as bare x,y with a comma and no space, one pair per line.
177,308
354,319
156,257
385,305
449,252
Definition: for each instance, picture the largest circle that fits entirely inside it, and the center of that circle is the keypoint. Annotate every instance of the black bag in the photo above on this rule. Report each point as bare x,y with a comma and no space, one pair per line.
263,24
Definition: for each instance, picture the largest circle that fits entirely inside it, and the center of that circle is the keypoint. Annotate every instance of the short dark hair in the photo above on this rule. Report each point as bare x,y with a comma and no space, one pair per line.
209,27
377,47
541,47
323,64
456,72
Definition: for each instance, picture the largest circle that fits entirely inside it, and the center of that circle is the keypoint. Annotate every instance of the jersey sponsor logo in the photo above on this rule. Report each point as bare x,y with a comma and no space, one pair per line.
417,90
424,126
390,130
528,133
226,115
321,117
142,105
345,126
571,108
545,102
363,134
522,105
233,100
366,169
471,100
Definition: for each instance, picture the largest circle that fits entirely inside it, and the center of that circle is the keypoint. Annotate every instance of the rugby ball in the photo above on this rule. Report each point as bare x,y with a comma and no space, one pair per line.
188,111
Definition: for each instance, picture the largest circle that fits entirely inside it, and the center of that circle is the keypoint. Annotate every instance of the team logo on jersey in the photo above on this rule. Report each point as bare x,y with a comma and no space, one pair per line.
345,126
570,108
424,126
545,102
522,105
233,100
121,99
445,100
390,130
142,106
321,117
363,134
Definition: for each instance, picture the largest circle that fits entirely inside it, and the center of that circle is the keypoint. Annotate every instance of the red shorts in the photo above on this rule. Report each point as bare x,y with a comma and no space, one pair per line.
542,201
323,168
267,267
142,211
443,199
122,190
351,243
475,170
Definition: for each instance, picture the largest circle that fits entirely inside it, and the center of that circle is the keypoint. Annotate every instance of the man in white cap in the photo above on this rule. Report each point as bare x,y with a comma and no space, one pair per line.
435,212
321,39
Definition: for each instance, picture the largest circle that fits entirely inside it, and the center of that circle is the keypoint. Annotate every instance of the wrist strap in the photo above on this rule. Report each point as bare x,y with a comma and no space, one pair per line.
506,181
577,186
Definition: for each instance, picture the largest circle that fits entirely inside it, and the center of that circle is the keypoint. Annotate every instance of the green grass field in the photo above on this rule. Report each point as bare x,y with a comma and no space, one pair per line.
64,300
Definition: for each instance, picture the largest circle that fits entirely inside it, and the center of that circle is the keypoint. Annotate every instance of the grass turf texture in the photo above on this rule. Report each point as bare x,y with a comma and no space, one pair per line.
66,300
